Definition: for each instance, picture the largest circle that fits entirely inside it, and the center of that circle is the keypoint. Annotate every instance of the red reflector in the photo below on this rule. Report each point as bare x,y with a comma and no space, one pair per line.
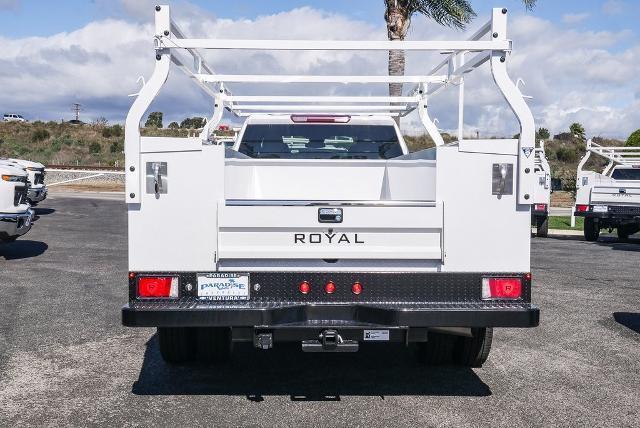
540,207
527,276
304,287
158,286
501,288
132,275
296,118
356,288
330,288
582,208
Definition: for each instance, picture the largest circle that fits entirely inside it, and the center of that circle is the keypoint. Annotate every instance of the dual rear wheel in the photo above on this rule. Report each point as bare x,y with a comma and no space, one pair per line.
465,351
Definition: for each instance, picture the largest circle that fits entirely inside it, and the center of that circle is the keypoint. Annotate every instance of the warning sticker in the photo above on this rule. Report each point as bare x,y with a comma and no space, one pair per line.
376,335
527,151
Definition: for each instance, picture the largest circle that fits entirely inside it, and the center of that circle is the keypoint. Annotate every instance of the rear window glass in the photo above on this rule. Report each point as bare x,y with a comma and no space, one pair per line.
626,174
320,141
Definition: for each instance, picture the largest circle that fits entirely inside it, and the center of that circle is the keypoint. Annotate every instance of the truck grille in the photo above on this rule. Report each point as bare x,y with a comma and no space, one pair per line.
20,195
39,178
624,210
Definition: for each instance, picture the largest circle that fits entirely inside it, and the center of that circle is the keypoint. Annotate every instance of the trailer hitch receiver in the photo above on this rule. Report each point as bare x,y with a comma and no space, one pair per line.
329,341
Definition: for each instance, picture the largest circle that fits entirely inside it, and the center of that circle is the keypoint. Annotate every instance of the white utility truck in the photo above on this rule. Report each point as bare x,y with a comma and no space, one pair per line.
611,199
542,193
15,213
318,226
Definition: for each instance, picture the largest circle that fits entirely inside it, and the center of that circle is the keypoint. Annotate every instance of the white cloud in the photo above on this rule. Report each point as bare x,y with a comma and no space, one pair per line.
573,75
613,7
574,18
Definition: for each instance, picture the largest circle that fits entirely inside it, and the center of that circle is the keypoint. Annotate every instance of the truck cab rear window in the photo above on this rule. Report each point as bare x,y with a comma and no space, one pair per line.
320,141
626,174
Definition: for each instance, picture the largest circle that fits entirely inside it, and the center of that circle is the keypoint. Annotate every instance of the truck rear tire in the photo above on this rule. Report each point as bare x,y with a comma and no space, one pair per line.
591,229
474,351
626,230
176,344
542,226
213,344
438,350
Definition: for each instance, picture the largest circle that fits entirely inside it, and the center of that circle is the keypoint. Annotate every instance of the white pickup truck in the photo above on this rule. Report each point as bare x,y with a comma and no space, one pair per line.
15,213
611,199
318,226
37,191
542,193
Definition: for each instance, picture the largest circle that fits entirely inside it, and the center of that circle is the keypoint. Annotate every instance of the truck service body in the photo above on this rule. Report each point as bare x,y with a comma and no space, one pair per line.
542,193
611,199
318,225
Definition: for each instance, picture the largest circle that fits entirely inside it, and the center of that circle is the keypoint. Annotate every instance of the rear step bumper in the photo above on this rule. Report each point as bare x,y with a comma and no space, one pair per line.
252,314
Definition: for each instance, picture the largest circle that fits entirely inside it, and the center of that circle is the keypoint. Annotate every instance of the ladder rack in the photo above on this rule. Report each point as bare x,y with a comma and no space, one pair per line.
488,44
616,155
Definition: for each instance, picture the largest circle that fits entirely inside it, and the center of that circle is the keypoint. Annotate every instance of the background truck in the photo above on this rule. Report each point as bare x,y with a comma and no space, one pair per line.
15,213
37,191
611,199
542,193
318,226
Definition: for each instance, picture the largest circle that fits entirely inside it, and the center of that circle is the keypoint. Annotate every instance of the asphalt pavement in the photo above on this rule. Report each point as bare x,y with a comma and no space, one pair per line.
66,360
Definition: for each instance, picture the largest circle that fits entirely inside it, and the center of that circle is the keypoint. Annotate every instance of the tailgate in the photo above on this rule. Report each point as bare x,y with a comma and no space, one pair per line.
618,194
275,230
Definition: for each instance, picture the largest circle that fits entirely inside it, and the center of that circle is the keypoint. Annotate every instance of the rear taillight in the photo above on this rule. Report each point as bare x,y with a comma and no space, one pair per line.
158,286
298,118
356,288
330,288
501,288
540,207
304,287
582,208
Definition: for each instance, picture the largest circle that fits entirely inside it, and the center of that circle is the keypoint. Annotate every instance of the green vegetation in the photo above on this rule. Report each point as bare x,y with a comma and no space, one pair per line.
543,133
634,138
564,223
63,143
154,120
577,130
193,123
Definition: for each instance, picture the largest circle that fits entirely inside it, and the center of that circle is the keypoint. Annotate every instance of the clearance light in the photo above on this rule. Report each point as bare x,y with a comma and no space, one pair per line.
304,287
330,288
501,288
296,118
582,208
158,286
356,288
132,275
540,207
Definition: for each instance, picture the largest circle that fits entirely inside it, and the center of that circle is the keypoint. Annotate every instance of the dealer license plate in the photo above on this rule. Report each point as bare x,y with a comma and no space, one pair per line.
223,286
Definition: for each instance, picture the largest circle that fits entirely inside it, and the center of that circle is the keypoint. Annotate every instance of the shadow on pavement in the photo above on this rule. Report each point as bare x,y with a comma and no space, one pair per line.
383,370
628,319
22,249
43,211
632,244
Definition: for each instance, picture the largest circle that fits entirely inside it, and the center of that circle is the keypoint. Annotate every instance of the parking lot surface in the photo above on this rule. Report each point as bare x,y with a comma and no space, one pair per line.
65,359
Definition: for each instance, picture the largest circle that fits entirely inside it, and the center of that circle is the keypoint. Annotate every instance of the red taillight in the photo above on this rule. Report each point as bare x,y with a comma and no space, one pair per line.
158,286
582,208
356,288
298,118
304,287
330,288
501,288
540,207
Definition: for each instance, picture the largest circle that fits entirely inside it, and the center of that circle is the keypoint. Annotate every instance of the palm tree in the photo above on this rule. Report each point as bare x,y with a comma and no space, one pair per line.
398,13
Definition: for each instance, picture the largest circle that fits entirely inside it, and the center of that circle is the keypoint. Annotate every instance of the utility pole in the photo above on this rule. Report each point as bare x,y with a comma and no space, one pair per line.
76,108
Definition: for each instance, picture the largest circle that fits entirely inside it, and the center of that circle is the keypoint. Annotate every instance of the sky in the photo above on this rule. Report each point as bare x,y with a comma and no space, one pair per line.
579,59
